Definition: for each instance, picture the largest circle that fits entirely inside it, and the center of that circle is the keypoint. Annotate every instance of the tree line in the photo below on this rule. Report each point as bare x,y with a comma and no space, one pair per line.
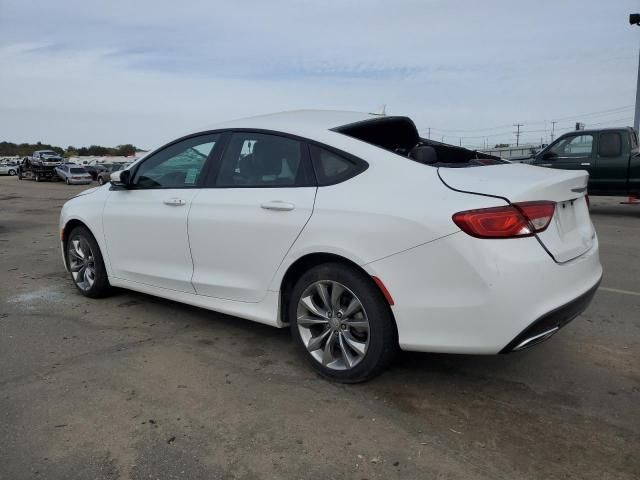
10,149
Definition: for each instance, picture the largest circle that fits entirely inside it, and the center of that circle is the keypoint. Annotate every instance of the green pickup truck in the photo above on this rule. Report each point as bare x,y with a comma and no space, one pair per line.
611,156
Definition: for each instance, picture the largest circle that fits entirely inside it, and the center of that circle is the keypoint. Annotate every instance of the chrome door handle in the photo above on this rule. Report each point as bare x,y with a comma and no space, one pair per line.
278,205
585,164
174,202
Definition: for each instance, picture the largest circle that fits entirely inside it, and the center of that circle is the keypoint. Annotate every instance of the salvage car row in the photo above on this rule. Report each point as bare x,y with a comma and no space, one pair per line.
48,165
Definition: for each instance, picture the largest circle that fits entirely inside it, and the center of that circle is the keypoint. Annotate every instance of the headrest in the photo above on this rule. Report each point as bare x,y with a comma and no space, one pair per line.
424,154
267,158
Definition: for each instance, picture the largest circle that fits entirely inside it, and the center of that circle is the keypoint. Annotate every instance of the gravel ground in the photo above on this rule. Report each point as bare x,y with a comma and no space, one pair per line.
136,387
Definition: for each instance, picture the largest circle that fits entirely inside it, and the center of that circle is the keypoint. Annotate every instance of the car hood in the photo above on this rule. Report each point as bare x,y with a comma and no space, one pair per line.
87,192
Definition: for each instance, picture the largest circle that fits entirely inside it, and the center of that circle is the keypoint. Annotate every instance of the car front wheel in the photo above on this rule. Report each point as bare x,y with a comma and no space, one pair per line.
85,263
12,173
342,323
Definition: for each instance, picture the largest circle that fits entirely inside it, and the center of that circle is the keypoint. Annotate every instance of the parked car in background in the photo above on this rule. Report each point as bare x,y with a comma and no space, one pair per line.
611,156
94,170
38,171
46,158
73,174
349,229
108,168
9,168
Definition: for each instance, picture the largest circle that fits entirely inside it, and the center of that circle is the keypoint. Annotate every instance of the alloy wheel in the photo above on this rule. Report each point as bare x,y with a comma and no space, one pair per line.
333,325
82,263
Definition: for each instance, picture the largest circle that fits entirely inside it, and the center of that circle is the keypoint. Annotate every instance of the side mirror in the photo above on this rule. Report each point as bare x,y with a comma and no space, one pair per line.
121,178
548,155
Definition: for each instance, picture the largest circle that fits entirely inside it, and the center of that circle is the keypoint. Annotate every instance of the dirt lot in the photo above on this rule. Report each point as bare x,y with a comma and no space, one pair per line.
138,387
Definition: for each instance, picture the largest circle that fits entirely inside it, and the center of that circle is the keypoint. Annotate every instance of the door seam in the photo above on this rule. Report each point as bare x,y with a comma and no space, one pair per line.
313,208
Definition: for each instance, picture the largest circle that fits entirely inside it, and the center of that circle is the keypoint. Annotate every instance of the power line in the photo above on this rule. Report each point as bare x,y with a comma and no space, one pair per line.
592,114
537,122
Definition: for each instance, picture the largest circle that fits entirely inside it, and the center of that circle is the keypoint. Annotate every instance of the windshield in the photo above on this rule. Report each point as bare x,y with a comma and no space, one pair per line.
49,152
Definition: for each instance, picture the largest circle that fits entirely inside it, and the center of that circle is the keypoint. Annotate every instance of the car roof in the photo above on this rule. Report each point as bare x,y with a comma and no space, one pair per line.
597,130
299,121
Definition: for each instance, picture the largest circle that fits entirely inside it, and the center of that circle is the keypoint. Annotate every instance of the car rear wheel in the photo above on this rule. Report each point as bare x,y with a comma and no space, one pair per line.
66,180
100,181
86,264
37,177
342,323
12,173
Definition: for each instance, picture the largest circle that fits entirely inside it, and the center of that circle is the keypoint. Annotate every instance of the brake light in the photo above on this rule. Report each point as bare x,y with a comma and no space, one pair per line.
511,221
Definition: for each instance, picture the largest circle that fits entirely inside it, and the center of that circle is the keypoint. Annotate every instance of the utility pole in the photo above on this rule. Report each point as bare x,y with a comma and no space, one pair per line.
517,132
553,130
634,19
429,133
460,142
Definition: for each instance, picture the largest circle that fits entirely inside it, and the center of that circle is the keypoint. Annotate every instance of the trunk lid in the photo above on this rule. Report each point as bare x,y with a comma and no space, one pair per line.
570,233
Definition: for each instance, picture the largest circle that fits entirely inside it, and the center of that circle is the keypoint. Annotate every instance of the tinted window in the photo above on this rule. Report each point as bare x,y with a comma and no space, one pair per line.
176,166
610,144
260,160
574,146
77,170
331,167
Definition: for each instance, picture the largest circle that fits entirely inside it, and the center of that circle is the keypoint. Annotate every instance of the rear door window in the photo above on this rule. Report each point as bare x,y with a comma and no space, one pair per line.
254,159
610,145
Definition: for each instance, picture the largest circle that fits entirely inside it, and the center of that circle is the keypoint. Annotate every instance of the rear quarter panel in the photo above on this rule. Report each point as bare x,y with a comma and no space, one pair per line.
395,205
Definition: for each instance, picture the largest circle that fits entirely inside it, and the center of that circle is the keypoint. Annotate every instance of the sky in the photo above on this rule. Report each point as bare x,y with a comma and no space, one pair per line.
109,72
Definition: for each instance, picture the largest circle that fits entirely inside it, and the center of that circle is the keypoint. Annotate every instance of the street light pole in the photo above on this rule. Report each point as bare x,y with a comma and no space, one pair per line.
634,19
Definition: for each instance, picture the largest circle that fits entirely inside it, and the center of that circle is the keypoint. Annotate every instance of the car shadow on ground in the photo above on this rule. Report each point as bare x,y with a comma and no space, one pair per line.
246,334
631,211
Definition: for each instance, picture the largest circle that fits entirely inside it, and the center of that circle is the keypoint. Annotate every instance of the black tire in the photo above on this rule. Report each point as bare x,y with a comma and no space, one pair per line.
382,332
100,181
100,286
38,178
11,173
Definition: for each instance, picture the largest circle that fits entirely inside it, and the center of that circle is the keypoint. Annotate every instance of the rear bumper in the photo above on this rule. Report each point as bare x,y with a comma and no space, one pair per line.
460,294
547,325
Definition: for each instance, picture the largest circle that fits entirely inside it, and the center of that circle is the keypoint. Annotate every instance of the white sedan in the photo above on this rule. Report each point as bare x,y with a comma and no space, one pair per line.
10,168
348,228
73,174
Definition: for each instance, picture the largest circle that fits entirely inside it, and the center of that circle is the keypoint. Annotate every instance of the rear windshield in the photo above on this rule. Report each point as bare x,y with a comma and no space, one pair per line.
77,170
400,136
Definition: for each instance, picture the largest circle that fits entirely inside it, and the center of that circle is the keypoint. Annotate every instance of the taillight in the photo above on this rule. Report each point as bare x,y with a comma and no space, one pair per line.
511,221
